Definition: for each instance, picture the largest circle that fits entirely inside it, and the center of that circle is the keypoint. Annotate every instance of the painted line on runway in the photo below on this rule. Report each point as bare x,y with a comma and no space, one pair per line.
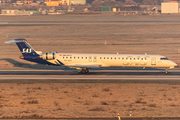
88,22
32,70
3,22
90,70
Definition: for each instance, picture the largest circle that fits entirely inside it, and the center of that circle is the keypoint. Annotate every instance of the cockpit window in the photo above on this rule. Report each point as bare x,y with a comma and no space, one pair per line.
164,59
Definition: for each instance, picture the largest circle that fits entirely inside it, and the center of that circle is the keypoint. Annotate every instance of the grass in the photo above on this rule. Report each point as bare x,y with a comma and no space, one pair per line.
66,92
33,102
95,95
106,90
87,103
140,101
97,109
55,103
104,103
152,105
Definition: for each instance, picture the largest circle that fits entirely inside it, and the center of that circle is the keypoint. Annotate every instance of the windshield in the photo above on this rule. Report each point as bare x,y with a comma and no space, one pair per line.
164,59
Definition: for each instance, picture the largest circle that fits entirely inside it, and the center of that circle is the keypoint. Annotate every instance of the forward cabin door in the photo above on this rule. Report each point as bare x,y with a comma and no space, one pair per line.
153,61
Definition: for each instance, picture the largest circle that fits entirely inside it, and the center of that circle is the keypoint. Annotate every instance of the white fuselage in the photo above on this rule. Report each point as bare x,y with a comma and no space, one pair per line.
110,60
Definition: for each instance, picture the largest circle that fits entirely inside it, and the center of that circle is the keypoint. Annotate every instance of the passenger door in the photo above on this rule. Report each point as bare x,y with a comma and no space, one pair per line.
153,61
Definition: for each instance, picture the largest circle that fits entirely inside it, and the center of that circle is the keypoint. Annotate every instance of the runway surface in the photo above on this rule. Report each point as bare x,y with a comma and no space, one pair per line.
84,22
95,76
128,118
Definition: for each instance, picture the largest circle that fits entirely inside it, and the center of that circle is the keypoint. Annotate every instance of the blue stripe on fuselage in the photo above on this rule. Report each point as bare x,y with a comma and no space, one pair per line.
57,63
60,62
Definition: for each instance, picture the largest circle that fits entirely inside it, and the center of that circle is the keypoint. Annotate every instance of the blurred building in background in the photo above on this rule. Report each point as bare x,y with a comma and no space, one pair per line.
170,7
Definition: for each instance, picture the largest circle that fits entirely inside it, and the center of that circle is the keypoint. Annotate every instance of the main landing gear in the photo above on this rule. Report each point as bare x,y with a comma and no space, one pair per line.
84,70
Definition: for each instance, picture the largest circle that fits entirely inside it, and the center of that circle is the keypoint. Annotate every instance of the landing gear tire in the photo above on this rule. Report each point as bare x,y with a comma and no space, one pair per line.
166,70
85,70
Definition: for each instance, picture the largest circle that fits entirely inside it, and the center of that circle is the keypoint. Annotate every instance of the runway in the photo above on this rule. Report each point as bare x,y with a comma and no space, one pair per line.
95,76
83,22
122,118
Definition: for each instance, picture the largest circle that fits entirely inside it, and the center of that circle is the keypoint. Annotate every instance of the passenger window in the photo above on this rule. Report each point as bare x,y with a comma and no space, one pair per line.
126,58
74,57
141,58
107,57
86,57
82,57
134,58
70,57
138,58
66,57
119,58
78,57
111,57
100,57
63,57
145,58
122,58
130,58
114,58
104,57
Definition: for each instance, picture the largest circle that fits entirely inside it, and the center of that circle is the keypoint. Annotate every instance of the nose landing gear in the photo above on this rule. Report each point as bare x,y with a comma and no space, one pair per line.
84,70
166,70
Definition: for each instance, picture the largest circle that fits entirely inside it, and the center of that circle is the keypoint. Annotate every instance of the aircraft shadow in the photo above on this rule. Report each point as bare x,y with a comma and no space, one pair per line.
31,66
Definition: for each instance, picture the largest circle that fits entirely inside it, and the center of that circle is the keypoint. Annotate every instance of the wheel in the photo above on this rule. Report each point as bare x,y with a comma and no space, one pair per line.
166,70
87,70
83,71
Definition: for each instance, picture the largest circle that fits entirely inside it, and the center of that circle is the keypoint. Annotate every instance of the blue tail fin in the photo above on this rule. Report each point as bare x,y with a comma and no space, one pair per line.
24,47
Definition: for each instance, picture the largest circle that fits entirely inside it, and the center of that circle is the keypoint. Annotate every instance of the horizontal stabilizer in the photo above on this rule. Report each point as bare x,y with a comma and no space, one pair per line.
16,41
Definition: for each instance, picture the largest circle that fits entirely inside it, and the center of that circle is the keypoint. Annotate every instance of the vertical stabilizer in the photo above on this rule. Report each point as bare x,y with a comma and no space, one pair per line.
24,47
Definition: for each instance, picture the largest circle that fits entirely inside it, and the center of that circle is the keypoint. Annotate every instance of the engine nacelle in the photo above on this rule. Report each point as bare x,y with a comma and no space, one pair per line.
48,56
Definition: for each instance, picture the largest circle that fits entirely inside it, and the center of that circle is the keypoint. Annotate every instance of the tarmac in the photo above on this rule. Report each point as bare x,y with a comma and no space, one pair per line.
94,76
83,22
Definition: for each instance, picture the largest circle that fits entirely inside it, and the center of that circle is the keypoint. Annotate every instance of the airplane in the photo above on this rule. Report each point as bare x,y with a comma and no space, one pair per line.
85,61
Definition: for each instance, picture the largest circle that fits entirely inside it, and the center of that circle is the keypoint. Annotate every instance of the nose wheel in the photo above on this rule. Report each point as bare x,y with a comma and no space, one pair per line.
166,70
84,70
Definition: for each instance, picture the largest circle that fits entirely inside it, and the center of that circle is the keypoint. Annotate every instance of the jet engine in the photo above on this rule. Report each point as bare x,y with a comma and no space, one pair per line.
48,56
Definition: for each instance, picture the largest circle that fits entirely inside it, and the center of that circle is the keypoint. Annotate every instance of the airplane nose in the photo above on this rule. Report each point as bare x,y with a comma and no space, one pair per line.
173,63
